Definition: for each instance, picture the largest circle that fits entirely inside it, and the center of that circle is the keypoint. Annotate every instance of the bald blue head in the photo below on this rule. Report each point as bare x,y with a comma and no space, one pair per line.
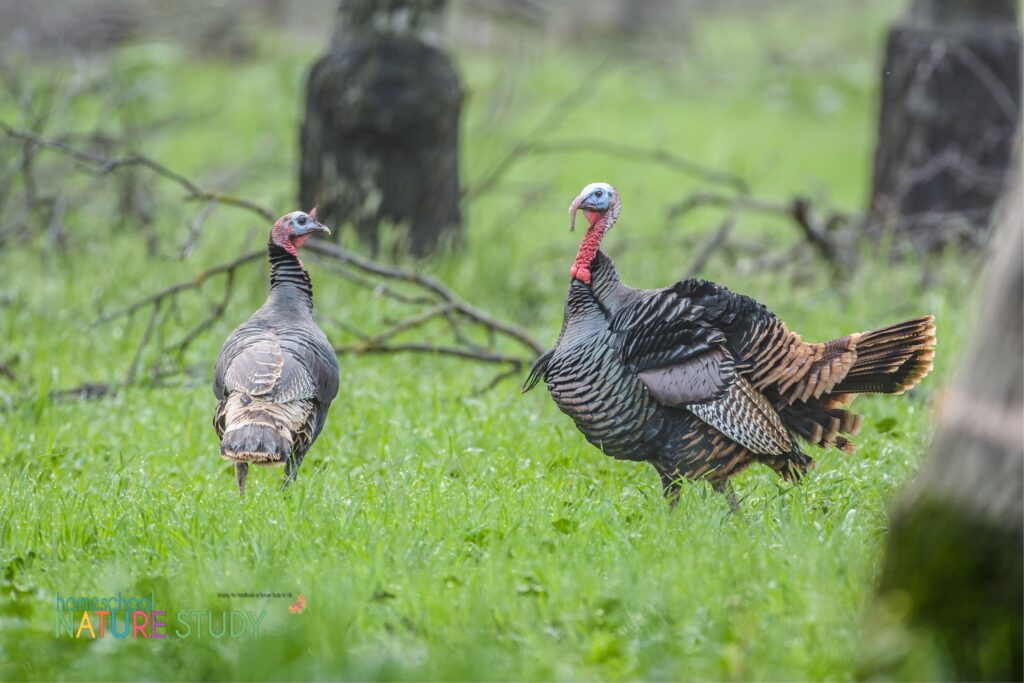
597,196
595,199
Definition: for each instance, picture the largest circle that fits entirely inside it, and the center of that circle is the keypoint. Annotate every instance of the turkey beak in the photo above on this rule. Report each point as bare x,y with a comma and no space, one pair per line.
573,208
318,226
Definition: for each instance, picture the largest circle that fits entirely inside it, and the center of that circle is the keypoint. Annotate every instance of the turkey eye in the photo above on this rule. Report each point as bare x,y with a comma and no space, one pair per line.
302,220
599,193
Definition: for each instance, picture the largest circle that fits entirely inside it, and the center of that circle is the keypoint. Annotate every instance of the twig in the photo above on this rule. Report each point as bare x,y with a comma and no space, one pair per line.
430,284
396,329
88,390
180,347
618,150
196,229
150,326
512,371
820,235
378,289
172,290
814,231
734,203
558,112
709,248
416,347
230,200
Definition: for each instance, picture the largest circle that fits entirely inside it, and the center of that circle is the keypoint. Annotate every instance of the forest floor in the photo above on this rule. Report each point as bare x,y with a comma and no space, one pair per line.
436,531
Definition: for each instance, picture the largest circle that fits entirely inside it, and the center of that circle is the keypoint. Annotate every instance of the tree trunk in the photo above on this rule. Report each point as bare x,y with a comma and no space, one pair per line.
379,143
950,112
954,559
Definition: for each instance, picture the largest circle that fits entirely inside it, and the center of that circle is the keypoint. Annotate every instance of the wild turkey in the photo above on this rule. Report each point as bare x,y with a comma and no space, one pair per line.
276,374
700,381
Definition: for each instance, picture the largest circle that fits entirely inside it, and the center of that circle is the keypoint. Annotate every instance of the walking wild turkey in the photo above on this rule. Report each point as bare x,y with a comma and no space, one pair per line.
700,381
277,374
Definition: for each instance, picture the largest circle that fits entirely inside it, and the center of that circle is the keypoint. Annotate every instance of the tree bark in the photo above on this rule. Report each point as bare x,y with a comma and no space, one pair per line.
954,558
950,113
379,143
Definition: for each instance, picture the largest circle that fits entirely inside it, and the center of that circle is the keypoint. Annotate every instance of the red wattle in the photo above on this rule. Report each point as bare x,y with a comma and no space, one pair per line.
588,250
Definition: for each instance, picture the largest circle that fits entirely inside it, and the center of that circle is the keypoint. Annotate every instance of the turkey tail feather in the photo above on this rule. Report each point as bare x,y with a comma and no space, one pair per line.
259,431
821,425
891,360
888,361
255,442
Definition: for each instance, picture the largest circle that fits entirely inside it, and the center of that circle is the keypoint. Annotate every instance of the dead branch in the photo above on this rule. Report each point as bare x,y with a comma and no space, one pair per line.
85,391
231,200
815,231
823,235
175,289
216,312
430,284
697,200
445,307
378,340
416,347
154,316
669,160
712,245
558,112
196,228
533,145
500,377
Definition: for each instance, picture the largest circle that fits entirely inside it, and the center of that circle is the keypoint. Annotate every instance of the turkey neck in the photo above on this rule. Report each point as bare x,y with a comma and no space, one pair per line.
592,242
605,285
288,279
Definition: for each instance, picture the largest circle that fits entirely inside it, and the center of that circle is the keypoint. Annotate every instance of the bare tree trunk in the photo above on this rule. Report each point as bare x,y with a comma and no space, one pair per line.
950,110
379,143
954,559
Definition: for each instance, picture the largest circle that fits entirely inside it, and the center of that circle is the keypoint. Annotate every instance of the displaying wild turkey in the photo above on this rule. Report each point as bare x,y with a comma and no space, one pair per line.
276,374
700,381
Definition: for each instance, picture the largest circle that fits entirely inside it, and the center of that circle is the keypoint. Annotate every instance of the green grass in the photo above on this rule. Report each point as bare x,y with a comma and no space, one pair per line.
436,533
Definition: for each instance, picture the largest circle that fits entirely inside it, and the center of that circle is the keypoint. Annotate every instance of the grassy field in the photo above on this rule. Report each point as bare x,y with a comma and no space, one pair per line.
438,533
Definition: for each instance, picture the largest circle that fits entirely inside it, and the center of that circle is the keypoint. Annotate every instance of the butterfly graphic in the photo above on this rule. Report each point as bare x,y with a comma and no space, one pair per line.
300,604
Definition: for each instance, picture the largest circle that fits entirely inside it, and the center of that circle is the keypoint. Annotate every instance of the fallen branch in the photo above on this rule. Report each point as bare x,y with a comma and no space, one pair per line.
824,236
433,286
175,289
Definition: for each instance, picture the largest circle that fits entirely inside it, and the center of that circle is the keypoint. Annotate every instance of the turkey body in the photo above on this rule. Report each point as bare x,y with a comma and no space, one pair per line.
275,377
701,382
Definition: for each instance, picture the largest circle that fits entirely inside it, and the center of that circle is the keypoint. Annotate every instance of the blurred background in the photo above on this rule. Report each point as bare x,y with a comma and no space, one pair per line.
843,161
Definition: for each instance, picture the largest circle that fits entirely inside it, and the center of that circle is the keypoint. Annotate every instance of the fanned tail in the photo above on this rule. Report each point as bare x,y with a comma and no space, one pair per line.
891,360
888,361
